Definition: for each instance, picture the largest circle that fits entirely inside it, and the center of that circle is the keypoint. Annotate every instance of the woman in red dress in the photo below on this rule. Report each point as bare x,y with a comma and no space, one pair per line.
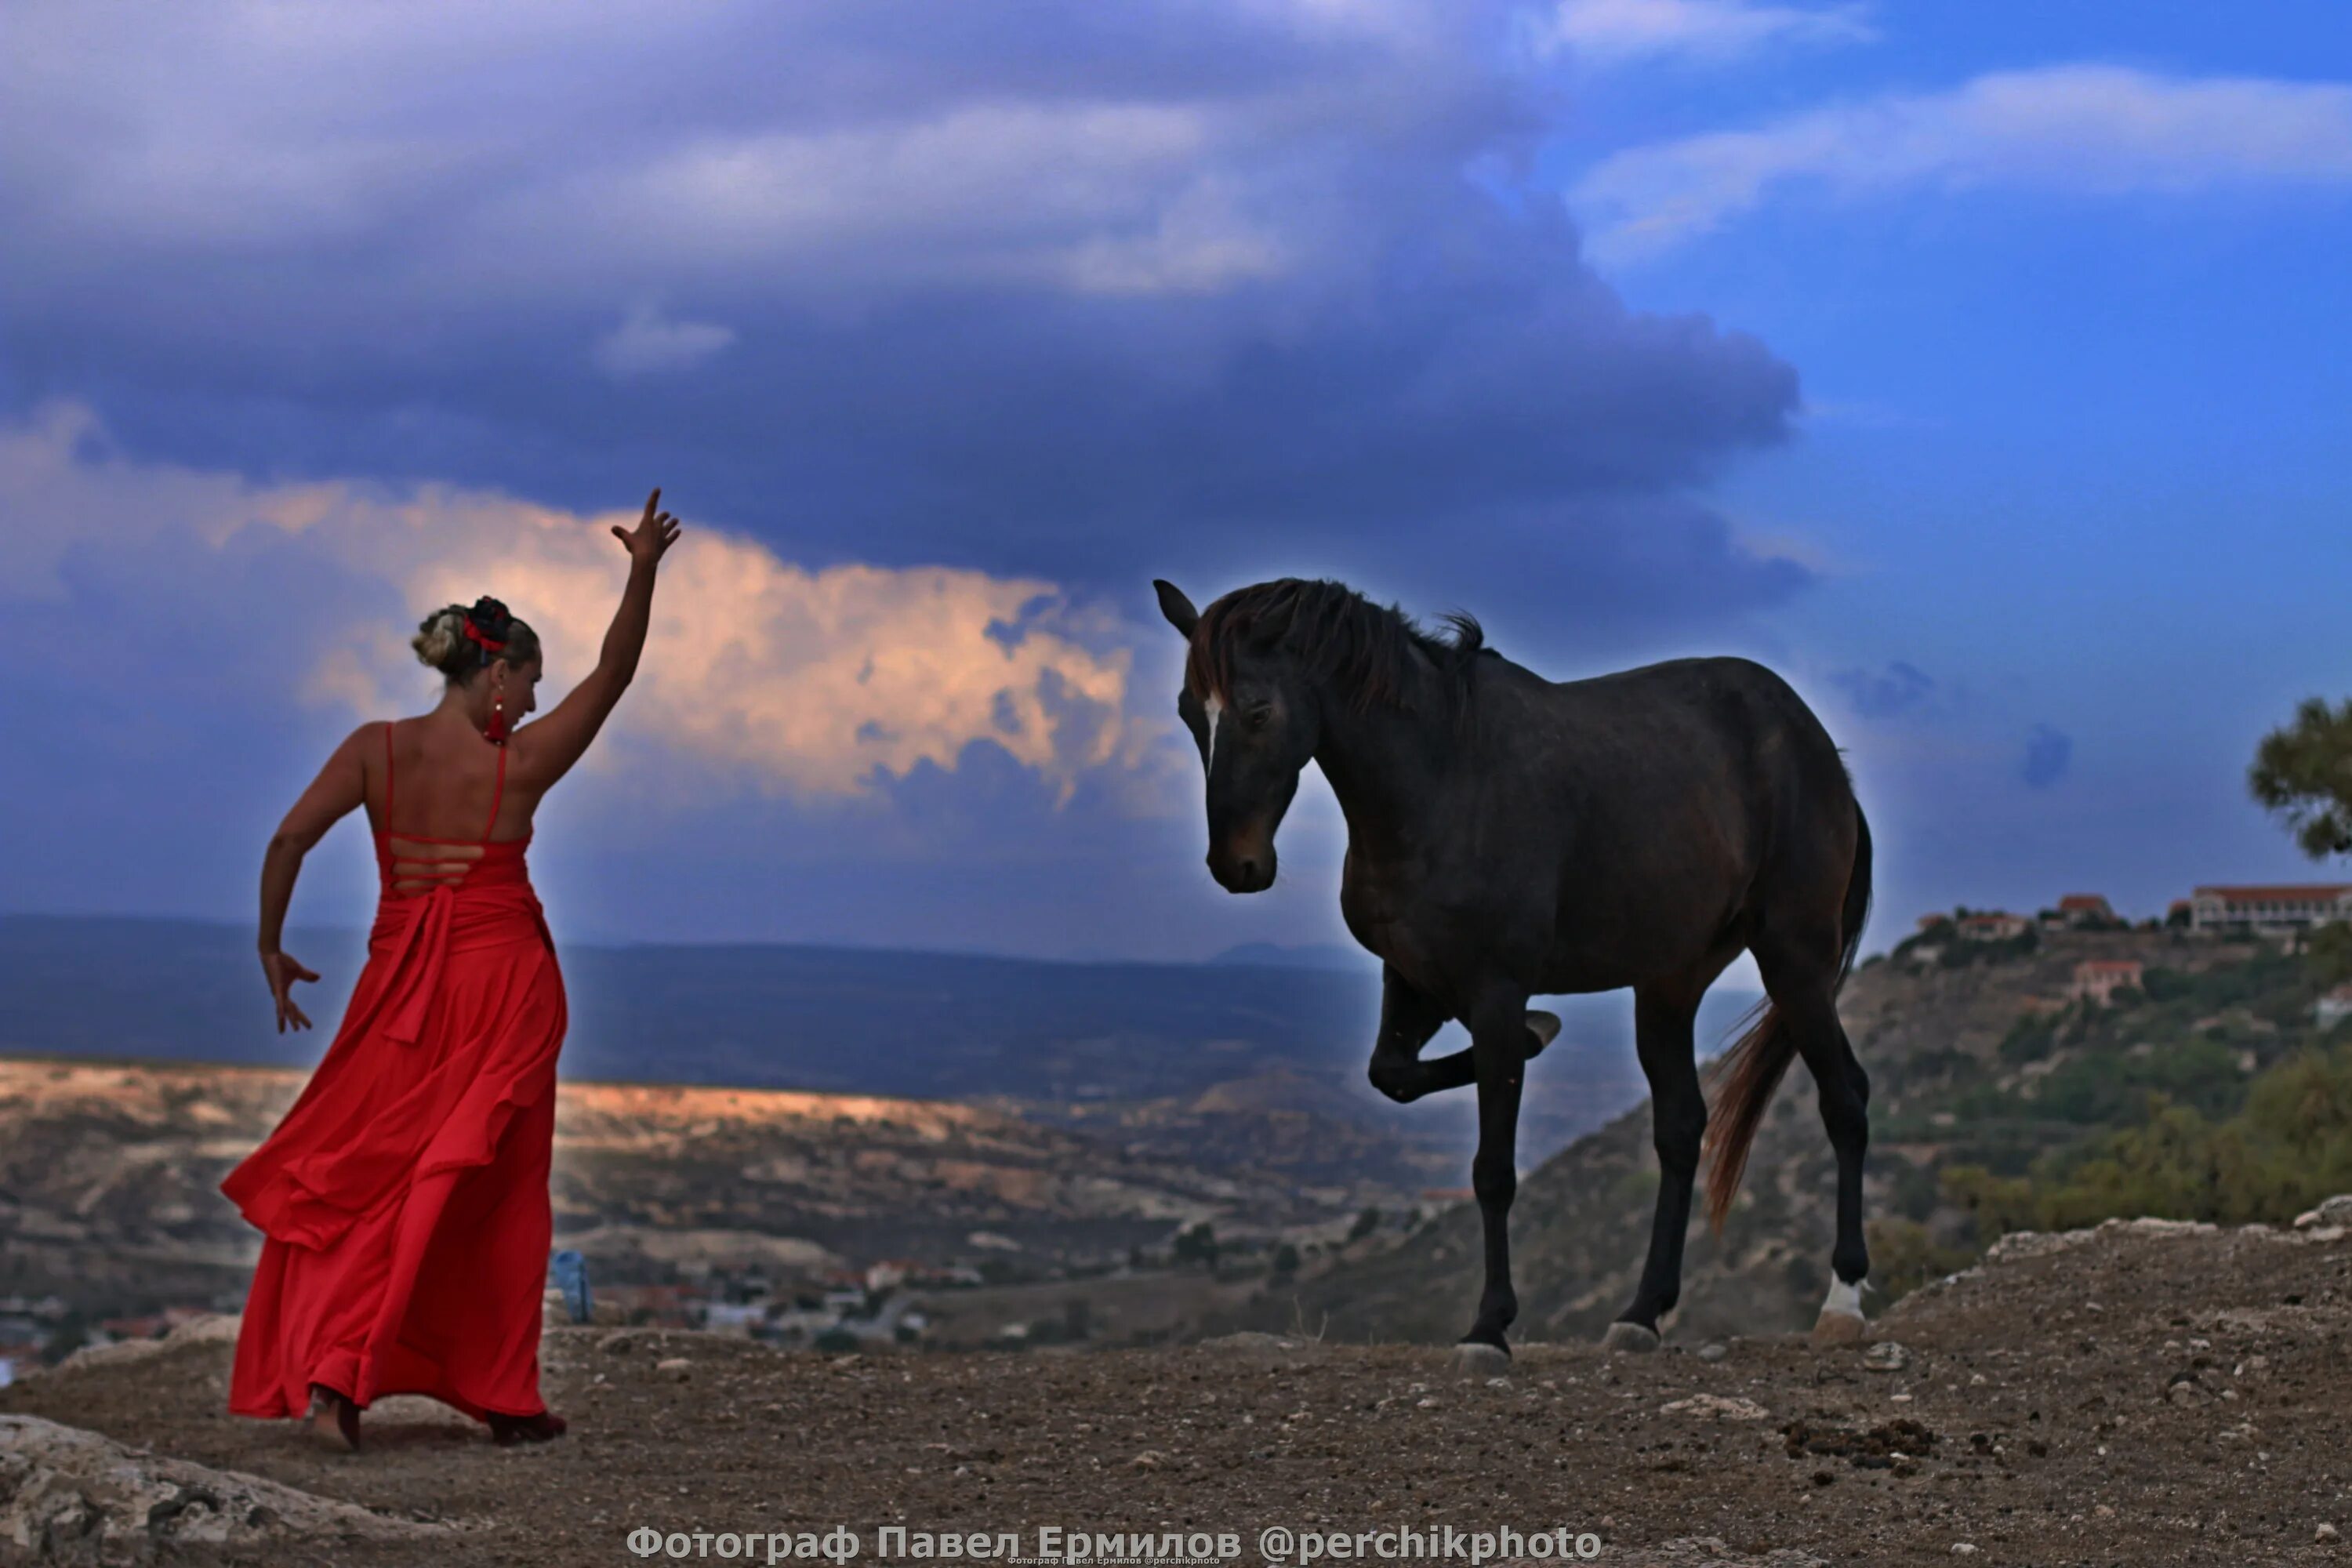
404,1199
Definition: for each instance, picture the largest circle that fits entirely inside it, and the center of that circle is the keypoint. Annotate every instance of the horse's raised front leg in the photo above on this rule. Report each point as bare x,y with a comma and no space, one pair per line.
1498,1048
1408,1019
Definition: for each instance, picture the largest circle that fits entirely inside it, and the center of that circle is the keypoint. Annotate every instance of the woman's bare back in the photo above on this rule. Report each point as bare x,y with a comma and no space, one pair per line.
440,780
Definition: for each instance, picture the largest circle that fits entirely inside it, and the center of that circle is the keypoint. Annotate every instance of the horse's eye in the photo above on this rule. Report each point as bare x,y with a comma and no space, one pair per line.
1258,718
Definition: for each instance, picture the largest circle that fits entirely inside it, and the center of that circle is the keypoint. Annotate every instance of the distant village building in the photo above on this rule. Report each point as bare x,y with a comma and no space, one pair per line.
889,1274
2084,910
1984,925
2096,980
1993,925
2277,907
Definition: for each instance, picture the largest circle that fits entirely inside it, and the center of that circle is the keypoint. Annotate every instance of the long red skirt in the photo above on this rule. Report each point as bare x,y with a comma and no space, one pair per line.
404,1197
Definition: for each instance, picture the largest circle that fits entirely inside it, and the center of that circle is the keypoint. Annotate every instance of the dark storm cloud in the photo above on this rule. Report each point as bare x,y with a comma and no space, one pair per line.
1076,290
2048,755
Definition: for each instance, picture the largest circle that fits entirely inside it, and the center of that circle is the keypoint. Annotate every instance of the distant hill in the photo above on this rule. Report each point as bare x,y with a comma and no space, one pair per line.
855,1020
110,1177
1305,955
1096,1043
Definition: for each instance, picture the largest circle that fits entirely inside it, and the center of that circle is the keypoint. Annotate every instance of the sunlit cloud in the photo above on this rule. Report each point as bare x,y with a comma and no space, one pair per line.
814,682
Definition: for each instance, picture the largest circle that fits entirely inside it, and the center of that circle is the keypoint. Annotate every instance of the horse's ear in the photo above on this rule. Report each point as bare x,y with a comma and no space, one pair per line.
1176,606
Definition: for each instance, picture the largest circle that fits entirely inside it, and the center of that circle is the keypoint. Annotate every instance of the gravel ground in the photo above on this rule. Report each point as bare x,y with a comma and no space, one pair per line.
2135,1395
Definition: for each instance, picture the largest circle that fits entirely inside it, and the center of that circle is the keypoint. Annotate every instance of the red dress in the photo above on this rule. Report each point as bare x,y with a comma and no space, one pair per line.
404,1198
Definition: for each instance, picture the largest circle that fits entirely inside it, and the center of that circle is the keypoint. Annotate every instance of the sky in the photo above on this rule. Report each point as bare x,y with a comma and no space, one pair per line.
1978,368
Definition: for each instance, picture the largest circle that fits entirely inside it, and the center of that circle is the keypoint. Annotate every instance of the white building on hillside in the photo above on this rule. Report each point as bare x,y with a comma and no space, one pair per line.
2270,907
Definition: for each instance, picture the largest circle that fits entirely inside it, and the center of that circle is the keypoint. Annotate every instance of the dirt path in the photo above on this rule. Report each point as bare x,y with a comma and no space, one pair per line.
2126,1397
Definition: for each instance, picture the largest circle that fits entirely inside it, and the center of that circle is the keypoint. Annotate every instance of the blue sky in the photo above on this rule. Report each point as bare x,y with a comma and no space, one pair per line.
1981,368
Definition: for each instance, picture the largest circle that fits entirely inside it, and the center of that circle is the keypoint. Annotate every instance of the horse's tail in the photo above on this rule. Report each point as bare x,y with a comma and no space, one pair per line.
1752,1068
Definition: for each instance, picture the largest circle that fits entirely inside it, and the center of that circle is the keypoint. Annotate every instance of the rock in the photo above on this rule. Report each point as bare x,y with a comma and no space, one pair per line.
2165,1228
1716,1408
1964,1549
1712,1352
210,1329
1149,1460
2327,1533
1886,1355
72,1495
2019,1244
620,1342
119,1353
1629,1338
676,1368
2336,1210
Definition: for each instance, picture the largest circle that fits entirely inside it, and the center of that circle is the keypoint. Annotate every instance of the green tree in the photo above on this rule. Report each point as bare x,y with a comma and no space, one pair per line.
2302,772
1196,1243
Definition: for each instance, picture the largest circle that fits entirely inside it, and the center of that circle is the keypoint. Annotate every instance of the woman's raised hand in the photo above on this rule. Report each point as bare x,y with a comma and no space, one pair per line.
282,970
656,531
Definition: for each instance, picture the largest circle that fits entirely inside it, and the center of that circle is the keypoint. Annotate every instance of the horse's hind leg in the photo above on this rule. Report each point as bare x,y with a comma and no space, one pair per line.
1663,1020
1806,996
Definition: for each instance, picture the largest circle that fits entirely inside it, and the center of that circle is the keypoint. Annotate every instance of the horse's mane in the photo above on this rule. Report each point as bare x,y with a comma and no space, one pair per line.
1363,649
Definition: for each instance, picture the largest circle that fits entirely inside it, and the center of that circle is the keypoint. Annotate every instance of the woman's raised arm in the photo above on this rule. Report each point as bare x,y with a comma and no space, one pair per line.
549,747
340,789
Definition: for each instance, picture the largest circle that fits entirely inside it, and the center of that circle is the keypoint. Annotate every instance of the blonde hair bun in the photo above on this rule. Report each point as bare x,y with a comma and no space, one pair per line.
438,636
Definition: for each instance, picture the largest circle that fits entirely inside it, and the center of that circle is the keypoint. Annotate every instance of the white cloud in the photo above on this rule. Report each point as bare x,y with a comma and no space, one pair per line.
256,130
648,342
809,681
2086,128
1086,196
1603,33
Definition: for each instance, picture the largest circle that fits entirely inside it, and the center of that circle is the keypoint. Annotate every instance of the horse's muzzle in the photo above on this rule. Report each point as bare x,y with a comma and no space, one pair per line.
1249,871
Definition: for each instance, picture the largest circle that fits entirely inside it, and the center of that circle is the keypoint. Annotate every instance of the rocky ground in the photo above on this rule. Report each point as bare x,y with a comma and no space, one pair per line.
2143,1394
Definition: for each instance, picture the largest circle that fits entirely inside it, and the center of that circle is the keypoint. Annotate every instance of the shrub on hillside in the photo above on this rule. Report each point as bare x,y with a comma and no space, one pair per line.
2290,1147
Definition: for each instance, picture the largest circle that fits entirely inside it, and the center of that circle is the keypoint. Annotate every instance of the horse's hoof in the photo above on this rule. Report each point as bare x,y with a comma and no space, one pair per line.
1832,1330
1545,1028
1475,1358
1629,1338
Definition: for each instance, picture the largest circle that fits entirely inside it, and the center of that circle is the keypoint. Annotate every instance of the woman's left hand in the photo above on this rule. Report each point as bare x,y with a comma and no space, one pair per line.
281,970
655,533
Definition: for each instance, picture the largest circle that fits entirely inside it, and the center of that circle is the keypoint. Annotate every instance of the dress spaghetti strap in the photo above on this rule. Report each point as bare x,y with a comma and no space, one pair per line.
387,775
498,794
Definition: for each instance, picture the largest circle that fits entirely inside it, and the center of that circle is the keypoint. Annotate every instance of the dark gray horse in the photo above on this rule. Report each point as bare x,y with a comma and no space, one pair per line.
1511,836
